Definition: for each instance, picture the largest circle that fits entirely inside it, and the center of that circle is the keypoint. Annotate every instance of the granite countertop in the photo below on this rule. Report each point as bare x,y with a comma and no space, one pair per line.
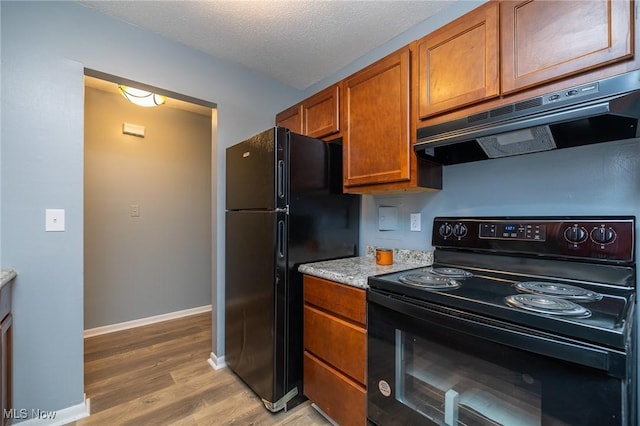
6,276
354,271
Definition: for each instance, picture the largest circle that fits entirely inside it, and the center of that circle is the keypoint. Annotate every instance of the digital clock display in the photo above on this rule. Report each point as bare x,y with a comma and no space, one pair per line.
513,231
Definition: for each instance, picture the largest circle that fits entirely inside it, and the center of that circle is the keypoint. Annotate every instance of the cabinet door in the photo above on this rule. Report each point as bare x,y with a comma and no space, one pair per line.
546,40
321,113
458,64
5,368
291,118
376,109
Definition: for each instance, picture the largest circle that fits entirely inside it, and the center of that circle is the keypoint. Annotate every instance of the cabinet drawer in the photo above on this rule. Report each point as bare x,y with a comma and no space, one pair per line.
340,343
338,396
340,299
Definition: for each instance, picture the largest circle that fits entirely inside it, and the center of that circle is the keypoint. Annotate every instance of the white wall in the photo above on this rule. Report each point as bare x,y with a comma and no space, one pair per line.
45,48
160,261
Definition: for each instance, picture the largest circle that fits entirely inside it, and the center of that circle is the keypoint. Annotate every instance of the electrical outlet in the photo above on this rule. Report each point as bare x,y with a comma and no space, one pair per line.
414,221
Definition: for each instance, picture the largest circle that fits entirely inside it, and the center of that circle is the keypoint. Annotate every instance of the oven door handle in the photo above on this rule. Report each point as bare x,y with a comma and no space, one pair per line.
507,334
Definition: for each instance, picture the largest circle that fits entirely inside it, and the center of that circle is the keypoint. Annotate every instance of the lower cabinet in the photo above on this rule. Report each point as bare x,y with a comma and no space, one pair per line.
335,349
5,352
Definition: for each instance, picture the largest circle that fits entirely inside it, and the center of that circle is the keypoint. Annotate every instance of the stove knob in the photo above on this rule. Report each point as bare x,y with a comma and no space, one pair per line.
460,230
576,234
445,230
603,235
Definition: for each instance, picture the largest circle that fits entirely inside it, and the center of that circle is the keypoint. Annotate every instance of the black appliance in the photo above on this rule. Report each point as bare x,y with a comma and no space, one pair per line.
284,207
519,321
601,111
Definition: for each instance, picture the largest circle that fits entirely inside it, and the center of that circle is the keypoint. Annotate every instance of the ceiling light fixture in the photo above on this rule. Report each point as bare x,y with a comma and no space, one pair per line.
141,97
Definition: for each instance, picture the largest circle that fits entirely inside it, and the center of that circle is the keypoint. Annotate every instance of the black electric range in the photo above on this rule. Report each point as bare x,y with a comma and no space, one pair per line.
573,276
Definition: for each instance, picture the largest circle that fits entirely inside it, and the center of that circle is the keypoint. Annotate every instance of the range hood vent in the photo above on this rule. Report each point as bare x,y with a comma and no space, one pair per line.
601,111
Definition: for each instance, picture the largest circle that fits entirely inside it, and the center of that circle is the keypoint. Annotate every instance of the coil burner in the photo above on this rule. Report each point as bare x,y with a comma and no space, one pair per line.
429,281
450,272
563,291
547,305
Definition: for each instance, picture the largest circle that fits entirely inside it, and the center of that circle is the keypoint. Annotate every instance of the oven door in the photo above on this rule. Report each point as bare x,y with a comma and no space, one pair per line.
432,365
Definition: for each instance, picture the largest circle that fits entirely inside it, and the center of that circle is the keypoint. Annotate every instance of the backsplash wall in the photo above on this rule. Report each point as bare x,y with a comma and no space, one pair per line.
601,179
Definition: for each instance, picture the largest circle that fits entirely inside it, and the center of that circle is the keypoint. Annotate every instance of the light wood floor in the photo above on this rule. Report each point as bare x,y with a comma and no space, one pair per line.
159,375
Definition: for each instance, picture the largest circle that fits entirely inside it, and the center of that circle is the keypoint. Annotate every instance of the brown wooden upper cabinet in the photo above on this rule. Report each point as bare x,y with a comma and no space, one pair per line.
507,46
546,40
458,63
377,146
321,113
291,118
317,116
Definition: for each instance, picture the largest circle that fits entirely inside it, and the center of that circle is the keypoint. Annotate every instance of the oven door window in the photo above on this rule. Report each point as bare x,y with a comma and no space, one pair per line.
422,371
451,387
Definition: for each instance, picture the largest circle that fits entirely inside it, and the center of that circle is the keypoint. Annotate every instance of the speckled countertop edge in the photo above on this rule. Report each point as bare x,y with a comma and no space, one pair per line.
355,271
7,275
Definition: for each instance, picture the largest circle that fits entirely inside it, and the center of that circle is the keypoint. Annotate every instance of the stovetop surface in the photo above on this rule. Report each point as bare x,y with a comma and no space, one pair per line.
484,294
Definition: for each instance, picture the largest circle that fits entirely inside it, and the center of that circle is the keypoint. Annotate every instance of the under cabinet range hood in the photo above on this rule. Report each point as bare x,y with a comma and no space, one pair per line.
601,111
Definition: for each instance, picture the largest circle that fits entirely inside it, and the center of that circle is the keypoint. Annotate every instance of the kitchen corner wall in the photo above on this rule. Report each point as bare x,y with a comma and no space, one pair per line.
160,261
599,179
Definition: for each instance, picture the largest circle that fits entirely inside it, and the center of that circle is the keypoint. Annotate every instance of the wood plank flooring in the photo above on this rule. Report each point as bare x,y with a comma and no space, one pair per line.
159,375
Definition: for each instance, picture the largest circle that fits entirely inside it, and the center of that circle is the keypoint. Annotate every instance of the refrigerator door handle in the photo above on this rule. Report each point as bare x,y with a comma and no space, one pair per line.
280,178
280,239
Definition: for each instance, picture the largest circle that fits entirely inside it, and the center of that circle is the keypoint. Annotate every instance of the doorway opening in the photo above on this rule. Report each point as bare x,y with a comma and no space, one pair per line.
149,209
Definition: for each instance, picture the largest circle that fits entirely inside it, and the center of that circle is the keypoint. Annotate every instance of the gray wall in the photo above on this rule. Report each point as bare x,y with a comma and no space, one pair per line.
159,262
599,179
45,48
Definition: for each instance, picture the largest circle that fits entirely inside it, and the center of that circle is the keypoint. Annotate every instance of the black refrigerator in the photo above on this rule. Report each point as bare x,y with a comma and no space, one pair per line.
284,207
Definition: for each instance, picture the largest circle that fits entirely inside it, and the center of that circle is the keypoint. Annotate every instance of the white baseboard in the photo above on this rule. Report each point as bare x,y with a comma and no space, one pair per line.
145,321
60,417
216,362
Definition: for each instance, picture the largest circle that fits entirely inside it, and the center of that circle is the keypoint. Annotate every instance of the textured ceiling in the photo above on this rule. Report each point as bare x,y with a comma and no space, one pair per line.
296,42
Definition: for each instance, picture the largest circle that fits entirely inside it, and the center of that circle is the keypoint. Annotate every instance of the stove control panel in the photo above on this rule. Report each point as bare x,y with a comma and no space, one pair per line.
604,238
513,231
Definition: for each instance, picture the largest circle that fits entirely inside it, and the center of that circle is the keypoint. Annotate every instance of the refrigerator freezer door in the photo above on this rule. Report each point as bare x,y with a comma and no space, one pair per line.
256,277
257,172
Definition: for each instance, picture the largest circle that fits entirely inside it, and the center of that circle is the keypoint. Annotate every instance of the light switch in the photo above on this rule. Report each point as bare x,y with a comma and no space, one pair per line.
134,210
387,218
54,220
